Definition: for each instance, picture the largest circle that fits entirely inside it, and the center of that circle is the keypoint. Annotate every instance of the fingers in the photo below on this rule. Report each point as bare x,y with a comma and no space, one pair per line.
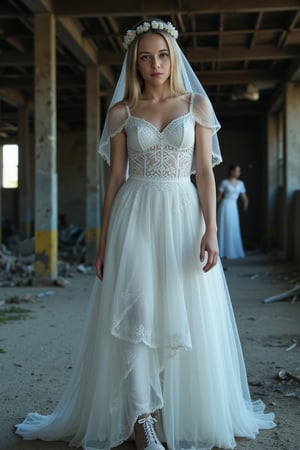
212,259
209,248
99,269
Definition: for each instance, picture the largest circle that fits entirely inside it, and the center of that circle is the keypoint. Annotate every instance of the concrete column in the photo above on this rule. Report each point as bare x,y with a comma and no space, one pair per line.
292,161
25,175
93,198
46,240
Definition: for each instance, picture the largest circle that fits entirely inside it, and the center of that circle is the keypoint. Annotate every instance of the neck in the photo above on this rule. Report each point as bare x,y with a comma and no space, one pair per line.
157,94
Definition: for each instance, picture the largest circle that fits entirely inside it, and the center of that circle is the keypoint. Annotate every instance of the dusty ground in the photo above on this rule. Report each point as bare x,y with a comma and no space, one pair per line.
38,353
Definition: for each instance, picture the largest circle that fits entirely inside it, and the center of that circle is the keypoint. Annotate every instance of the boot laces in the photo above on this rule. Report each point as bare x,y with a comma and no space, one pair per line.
148,425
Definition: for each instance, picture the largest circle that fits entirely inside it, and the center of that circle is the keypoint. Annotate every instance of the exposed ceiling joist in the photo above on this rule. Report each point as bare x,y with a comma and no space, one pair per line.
232,45
90,8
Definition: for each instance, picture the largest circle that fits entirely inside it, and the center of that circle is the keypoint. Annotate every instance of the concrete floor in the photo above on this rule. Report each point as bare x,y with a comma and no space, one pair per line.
39,352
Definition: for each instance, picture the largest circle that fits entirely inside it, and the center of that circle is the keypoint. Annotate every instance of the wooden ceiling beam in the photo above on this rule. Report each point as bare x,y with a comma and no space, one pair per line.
69,31
90,8
229,77
235,53
194,55
230,53
12,96
218,77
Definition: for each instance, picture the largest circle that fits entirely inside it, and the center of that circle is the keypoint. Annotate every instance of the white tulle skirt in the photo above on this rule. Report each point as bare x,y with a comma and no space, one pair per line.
160,336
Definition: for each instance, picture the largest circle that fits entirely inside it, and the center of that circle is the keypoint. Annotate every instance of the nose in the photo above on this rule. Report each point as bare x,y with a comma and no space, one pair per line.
155,62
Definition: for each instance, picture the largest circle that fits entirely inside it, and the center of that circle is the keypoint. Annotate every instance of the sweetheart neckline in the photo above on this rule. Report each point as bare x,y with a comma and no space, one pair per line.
155,127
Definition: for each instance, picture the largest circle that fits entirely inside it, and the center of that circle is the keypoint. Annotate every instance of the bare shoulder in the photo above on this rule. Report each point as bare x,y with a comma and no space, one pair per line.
117,108
185,98
200,101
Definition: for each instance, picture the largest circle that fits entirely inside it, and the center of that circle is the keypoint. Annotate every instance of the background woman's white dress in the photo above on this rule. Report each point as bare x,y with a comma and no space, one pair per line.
160,333
229,230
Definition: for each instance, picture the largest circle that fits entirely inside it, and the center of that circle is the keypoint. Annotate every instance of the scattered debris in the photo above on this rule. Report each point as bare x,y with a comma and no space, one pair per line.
17,257
284,295
291,347
46,293
71,240
284,375
83,269
27,298
291,395
61,282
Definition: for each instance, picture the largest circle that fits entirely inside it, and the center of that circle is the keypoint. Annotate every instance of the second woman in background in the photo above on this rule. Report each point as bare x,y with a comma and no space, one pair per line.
229,231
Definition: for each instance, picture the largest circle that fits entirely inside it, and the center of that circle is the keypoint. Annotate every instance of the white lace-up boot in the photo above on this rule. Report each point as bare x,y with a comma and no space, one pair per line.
153,442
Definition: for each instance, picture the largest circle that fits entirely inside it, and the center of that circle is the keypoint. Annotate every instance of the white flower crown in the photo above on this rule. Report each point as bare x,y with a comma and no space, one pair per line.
154,25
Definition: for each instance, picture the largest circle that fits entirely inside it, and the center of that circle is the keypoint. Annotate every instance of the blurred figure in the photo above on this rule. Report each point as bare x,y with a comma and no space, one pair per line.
229,231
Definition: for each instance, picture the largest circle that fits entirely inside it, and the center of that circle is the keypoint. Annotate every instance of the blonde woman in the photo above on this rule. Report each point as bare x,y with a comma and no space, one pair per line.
161,358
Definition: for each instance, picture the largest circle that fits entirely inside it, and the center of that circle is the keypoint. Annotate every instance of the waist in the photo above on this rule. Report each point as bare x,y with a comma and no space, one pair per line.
159,179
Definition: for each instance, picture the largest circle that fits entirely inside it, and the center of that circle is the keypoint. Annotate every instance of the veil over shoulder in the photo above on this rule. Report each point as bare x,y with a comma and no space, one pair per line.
191,83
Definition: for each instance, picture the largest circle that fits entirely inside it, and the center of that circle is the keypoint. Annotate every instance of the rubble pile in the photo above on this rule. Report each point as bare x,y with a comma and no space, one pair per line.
15,270
17,257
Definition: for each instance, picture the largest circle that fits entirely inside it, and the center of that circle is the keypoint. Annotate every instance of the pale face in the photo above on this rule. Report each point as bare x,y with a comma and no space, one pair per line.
153,59
236,172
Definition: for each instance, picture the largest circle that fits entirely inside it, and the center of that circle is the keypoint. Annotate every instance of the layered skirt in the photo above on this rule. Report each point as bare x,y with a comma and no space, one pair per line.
160,336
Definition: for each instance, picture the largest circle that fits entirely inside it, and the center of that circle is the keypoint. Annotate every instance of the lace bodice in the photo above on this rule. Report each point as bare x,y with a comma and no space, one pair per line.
161,154
168,153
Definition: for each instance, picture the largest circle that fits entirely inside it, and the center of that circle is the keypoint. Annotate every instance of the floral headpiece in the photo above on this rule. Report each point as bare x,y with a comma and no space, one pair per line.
154,25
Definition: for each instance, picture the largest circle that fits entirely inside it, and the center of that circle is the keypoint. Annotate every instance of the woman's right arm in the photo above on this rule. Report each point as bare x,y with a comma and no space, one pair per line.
117,176
220,192
219,196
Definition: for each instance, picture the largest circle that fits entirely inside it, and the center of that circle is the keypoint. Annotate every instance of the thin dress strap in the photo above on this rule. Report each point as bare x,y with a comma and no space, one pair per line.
191,101
127,109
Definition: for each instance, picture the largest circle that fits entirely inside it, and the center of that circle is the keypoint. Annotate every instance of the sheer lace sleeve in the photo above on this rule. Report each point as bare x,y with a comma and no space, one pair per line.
204,115
202,112
117,119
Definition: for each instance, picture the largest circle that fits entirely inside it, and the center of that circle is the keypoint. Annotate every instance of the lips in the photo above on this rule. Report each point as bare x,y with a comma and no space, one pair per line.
156,74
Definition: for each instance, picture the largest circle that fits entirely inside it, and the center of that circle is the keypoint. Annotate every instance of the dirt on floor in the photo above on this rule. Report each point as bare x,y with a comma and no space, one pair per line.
40,329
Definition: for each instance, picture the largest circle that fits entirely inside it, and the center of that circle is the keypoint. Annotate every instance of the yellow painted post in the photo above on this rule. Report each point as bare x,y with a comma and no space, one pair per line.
45,253
46,240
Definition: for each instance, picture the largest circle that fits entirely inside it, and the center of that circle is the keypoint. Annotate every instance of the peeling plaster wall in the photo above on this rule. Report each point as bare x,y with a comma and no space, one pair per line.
71,181
71,176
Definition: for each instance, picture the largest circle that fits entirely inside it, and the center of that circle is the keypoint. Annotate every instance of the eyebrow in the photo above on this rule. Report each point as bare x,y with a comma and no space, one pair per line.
159,51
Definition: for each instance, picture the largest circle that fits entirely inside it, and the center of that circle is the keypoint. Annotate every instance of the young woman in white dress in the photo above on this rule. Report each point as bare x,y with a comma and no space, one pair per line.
228,220
160,358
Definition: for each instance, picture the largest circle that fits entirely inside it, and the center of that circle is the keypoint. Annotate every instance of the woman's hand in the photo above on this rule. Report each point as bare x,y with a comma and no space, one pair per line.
99,264
209,245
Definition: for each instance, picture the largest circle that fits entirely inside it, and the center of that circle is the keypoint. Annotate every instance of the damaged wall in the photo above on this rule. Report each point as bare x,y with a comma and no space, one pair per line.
71,182
71,176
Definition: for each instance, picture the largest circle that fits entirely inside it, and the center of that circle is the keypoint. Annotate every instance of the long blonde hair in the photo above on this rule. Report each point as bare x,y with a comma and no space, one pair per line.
134,82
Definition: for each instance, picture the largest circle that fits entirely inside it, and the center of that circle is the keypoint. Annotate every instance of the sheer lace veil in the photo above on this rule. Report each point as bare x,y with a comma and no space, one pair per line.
191,83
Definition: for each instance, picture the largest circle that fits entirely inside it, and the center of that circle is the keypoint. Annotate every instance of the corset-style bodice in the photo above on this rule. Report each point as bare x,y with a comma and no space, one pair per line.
161,154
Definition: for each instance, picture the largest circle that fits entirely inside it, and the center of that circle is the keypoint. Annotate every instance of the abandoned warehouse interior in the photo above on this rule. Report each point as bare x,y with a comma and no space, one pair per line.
59,63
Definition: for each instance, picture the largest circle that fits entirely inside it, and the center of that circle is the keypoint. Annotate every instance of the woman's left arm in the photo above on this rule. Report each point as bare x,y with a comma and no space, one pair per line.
206,187
245,200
